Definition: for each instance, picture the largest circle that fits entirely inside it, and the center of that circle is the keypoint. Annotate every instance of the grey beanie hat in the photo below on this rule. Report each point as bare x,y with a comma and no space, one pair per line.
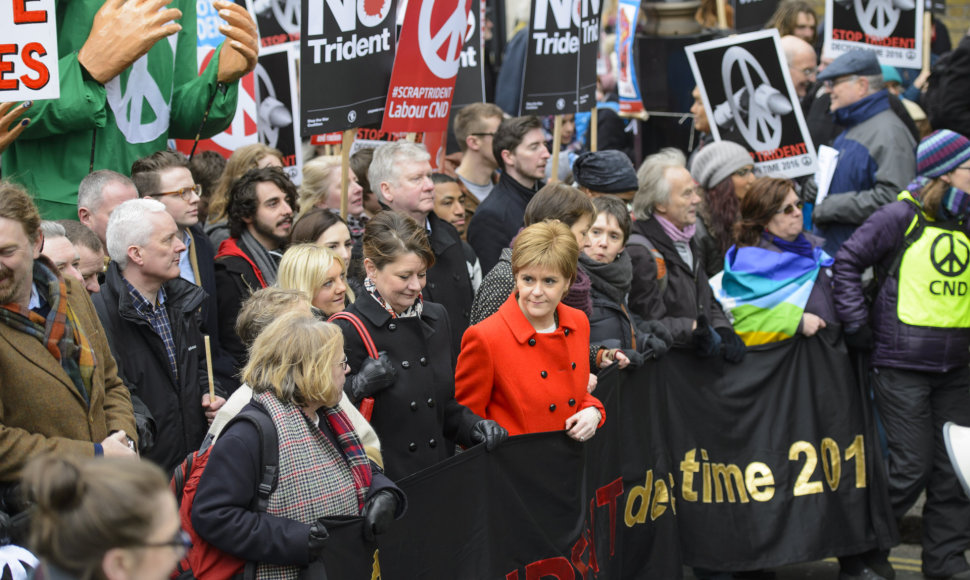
717,161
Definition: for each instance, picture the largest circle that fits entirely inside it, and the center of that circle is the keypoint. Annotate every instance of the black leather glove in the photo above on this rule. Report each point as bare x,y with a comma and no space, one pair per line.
146,433
374,376
734,347
379,513
488,432
706,341
859,337
318,537
636,359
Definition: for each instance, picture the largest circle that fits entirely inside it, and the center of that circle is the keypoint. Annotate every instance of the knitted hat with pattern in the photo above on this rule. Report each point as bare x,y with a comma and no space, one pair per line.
941,152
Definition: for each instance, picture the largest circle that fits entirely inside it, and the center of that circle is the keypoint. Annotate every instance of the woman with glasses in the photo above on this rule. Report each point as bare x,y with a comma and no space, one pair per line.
724,171
777,279
917,328
102,518
296,369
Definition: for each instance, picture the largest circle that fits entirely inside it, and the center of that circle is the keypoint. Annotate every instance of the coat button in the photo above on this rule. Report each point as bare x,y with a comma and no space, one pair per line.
532,342
456,277
432,285
392,327
414,405
544,374
574,366
431,403
405,364
432,443
565,331
552,407
424,361
572,402
412,447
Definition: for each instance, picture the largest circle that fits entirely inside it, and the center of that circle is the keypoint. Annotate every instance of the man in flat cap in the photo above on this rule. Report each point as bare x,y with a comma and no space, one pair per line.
877,153
605,173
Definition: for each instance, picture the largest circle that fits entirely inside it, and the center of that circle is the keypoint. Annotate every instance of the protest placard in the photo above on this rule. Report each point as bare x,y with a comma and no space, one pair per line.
278,107
427,62
890,28
28,50
751,100
627,85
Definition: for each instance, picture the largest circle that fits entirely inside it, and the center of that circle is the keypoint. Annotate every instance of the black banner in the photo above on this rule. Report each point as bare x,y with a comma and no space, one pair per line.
560,65
470,83
346,56
893,30
729,467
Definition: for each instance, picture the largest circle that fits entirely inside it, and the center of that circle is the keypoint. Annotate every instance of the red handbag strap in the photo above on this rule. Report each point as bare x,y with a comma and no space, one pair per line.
361,330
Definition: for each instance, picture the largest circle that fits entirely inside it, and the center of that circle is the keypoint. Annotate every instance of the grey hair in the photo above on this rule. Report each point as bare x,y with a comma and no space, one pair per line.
876,83
654,188
126,227
386,166
52,230
90,188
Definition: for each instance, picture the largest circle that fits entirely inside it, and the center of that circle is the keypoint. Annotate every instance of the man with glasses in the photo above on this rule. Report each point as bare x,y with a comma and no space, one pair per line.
802,64
474,127
877,153
165,176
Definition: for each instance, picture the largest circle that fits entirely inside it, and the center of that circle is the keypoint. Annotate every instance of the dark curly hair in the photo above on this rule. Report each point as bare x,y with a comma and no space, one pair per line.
244,201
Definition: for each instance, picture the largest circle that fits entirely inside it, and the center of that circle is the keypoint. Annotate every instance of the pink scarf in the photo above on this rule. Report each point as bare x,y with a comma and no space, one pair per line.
675,233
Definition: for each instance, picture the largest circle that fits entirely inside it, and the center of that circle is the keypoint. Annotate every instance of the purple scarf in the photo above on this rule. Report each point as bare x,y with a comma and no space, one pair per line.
673,232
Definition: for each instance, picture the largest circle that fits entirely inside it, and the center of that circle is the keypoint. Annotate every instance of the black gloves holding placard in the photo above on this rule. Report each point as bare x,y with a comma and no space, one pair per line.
488,432
859,337
654,339
374,376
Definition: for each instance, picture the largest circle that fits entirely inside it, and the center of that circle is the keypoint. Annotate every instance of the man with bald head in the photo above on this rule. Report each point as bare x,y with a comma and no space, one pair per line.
802,64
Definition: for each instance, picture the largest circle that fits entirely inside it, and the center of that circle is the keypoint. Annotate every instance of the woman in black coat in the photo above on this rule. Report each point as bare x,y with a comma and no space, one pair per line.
411,384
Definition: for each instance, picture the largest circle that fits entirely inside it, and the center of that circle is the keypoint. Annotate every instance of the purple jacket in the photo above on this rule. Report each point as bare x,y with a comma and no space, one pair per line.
897,345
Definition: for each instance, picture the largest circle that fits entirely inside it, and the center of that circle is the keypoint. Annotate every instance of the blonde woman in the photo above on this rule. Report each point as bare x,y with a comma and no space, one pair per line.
319,273
321,187
296,370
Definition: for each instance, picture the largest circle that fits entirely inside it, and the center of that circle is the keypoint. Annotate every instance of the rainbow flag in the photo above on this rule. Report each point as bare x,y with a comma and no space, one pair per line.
765,292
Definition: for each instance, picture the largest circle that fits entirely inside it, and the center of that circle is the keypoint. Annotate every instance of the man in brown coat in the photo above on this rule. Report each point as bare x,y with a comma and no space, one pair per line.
59,389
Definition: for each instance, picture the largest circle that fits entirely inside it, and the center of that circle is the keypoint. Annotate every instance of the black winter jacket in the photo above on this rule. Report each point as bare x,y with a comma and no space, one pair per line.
448,282
417,418
498,219
175,404
687,295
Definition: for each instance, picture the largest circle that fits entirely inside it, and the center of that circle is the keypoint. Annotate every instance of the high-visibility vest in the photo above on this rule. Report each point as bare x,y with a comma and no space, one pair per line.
934,273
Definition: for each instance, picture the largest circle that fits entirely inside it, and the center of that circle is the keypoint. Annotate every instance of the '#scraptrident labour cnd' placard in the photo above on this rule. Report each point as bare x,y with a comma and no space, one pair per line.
428,56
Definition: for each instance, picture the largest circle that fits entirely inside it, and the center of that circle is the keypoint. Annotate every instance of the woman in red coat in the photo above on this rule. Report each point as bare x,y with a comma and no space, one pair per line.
527,365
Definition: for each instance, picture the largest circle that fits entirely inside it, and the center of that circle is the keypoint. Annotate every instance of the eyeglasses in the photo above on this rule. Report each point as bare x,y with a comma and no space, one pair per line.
965,168
181,542
790,208
830,84
744,171
185,193
343,364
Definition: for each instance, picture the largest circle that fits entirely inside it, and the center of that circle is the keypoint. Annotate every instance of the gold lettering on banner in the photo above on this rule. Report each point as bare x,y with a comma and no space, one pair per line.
726,478
760,481
688,467
660,496
707,477
803,484
857,451
642,493
376,569
831,463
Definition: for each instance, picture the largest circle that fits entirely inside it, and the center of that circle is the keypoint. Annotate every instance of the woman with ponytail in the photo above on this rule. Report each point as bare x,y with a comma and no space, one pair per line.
918,330
102,519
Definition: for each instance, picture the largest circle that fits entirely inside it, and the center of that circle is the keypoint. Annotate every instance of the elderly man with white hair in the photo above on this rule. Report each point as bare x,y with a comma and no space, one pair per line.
400,174
149,315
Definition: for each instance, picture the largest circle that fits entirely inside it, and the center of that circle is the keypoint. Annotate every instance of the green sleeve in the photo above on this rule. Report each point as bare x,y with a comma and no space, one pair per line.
193,90
82,106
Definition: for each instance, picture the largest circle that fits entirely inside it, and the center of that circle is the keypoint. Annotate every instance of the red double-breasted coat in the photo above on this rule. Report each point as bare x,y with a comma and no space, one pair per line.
525,380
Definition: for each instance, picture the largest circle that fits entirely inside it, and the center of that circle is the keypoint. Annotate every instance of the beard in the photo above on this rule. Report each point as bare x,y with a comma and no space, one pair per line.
10,286
270,233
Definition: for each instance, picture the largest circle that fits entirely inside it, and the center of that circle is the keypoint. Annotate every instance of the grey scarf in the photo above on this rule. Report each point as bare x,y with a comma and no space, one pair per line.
267,261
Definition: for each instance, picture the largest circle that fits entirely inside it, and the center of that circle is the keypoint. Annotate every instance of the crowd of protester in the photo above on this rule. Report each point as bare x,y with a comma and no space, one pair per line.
433,312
